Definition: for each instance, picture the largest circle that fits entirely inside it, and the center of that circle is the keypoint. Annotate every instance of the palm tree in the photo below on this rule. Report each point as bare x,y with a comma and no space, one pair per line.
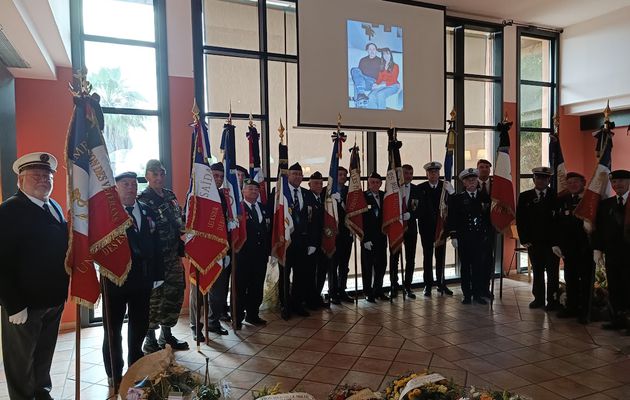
114,92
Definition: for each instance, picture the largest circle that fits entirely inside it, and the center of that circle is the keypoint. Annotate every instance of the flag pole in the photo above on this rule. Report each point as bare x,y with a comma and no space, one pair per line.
233,305
77,354
505,119
110,332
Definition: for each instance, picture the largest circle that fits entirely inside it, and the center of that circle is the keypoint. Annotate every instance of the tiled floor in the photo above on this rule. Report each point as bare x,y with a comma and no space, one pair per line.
505,346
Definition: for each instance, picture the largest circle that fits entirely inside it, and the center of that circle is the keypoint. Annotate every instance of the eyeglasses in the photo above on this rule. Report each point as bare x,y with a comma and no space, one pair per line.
41,177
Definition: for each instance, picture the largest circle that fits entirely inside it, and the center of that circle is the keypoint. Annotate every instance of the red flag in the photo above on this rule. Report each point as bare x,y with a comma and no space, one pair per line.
282,221
355,200
392,203
599,186
502,211
206,234
97,219
331,218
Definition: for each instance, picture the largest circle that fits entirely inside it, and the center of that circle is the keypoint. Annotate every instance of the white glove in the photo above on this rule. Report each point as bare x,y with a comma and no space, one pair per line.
226,261
598,257
454,242
406,216
157,284
449,188
232,225
336,196
557,251
19,318
527,245
368,246
588,227
310,250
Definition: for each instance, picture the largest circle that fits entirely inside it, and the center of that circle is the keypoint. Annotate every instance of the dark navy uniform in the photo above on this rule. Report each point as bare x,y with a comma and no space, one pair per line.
578,261
537,225
252,262
428,210
374,261
410,238
133,296
469,222
343,250
33,245
320,263
485,191
609,237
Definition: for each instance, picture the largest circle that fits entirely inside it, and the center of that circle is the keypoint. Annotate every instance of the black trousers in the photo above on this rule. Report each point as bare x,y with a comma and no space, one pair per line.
428,250
473,255
250,281
323,266
618,277
298,264
373,266
28,352
134,300
579,271
410,241
543,260
216,298
340,266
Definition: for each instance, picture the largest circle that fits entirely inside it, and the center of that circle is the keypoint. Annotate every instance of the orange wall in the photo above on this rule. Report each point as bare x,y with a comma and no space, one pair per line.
43,111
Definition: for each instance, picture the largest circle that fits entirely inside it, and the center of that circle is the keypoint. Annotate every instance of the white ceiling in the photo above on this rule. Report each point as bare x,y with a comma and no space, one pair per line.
40,29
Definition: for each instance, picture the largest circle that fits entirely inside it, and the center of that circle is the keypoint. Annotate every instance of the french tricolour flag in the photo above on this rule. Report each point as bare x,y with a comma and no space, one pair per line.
502,210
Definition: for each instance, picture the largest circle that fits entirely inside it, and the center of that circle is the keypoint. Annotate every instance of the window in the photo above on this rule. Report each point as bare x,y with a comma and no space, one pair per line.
121,43
537,100
246,61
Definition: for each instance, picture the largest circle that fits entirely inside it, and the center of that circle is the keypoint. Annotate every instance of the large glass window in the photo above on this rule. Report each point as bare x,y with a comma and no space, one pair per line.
119,46
246,57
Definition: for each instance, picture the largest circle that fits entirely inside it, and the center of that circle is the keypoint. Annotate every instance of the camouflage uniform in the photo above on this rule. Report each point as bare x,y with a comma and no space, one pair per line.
167,299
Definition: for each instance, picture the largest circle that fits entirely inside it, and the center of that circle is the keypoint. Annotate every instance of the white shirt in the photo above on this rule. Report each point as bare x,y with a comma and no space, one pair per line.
255,207
541,193
40,204
471,194
299,195
624,197
136,214
377,198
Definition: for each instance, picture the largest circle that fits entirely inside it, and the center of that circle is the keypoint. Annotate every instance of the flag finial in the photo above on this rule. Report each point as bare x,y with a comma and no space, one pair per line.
229,118
452,114
81,86
338,122
195,110
281,131
251,120
556,123
607,111
505,118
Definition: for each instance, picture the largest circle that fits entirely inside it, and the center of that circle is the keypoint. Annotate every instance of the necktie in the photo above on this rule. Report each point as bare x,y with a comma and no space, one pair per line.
296,199
620,201
47,209
483,187
472,195
255,213
130,212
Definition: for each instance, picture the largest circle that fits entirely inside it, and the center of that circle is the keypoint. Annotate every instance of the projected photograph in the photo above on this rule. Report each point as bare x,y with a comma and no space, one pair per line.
375,66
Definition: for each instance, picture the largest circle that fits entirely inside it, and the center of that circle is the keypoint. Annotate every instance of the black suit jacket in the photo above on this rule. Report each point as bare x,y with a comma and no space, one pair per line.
413,207
536,220
468,218
609,236
572,237
32,256
258,243
428,207
316,218
373,220
146,262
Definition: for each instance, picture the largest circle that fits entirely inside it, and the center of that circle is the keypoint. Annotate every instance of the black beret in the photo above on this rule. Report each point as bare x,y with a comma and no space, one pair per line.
375,175
484,161
316,175
217,167
243,170
128,174
295,167
575,175
620,174
250,181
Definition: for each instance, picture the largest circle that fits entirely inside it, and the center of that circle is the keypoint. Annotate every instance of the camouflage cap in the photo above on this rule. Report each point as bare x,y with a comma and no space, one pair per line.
155,165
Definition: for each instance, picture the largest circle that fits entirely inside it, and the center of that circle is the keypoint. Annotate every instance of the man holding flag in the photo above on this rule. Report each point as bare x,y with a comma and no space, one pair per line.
374,243
343,245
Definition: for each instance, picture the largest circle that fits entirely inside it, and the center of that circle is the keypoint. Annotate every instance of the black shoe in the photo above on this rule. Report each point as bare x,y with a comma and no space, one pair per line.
427,292
410,294
255,321
301,312
536,304
225,318
370,299
44,394
466,300
335,301
344,297
175,343
612,326
444,290
218,330
384,297
480,300
394,293
285,313
150,345
198,336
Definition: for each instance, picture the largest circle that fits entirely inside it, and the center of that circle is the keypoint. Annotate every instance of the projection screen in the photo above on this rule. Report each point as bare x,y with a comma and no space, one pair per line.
377,62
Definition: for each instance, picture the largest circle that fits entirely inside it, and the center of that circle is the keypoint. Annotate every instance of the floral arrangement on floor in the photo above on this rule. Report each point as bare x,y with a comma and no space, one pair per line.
354,392
473,393
274,393
266,391
422,386
599,308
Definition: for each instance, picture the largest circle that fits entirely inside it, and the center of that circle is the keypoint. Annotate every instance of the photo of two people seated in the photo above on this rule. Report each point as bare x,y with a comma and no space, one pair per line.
375,62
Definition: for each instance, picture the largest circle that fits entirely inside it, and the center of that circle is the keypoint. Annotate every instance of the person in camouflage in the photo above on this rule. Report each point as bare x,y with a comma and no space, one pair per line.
166,298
